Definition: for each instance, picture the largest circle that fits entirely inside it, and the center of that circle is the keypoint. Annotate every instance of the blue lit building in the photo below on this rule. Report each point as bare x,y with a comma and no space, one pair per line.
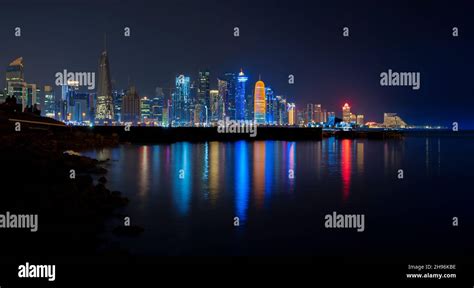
181,102
271,116
240,97
117,97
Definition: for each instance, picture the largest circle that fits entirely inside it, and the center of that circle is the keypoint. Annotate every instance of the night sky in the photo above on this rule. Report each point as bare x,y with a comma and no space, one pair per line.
277,38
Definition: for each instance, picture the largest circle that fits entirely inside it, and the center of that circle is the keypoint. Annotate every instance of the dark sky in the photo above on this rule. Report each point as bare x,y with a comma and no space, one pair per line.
277,38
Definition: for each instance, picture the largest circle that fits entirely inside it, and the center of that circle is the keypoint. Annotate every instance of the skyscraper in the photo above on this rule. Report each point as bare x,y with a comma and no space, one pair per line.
118,97
181,102
291,114
249,107
318,117
221,109
309,113
105,104
214,109
131,106
230,95
48,108
145,110
15,82
204,88
240,99
271,108
346,113
259,102
282,111
157,105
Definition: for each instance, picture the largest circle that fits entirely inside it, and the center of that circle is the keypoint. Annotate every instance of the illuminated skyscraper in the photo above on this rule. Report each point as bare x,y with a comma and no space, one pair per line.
331,121
259,102
346,113
145,110
318,117
158,105
131,106
271,109
15,82
249,106
105,104
221,109
240,97
49,103
291,114
181,102
213,111
118,97
282,118
230,78
203,95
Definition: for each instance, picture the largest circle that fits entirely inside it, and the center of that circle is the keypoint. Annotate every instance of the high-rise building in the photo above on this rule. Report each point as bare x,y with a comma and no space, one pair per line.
300,117
105,103
166,113
249,107
282,118
346,113
309,113
271,107
145,110
68,93
181,102
318,113
331,121
259,102
48,109
118,97
204,88
221,109
291,114
158,105
240,97
15,82
230,78
131,106
31,96
360,120
214,109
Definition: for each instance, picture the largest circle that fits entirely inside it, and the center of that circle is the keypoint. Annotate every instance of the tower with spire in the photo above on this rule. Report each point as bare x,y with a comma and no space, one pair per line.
105,105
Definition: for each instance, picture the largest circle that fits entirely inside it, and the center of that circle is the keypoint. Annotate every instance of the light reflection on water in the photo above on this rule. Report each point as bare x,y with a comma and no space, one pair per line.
179,188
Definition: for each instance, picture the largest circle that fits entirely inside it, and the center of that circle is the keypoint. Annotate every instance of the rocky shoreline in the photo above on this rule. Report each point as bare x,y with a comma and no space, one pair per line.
39,178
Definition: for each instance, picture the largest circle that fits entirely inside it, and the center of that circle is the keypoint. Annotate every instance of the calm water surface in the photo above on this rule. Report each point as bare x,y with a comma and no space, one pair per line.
186,196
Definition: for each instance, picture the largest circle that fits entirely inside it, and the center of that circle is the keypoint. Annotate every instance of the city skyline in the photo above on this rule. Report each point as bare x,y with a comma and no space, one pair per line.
328,68
185,105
